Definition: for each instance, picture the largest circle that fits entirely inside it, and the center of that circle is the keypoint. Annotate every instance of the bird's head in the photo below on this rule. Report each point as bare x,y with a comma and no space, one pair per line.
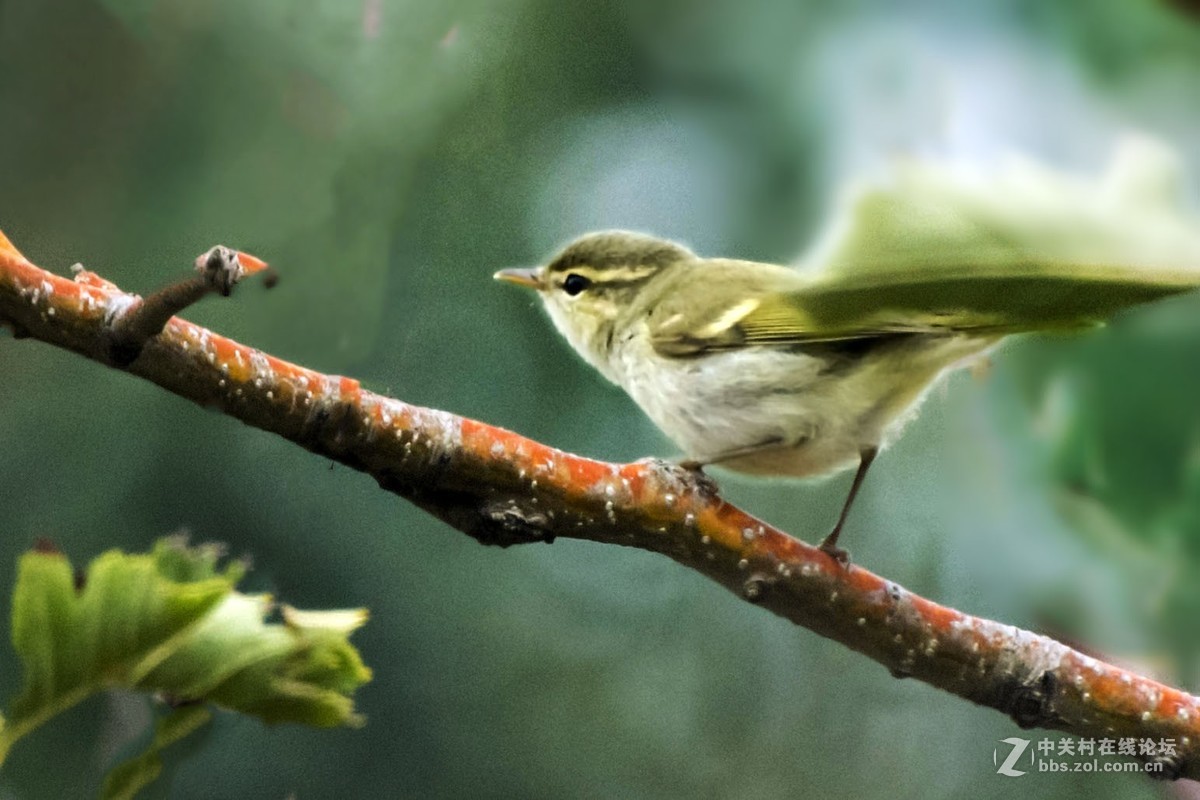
594,281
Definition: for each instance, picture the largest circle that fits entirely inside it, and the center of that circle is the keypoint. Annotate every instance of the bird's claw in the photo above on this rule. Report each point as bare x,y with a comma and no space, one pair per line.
688,471
838,554
704,482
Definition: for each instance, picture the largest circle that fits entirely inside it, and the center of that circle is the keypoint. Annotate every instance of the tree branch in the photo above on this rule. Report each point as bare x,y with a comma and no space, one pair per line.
503,489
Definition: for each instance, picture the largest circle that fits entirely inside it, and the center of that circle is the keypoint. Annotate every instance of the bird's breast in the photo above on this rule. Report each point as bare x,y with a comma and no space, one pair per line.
716,404
781,411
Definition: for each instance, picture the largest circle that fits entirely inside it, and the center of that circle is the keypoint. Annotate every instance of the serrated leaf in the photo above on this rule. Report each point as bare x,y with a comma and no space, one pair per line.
279,673
73,643
171,622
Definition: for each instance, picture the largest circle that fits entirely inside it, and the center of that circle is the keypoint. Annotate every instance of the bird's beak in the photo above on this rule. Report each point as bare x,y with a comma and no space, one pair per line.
530,277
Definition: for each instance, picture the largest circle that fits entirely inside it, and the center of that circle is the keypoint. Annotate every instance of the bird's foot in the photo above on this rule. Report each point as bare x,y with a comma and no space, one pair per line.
704,482
688,471
838,554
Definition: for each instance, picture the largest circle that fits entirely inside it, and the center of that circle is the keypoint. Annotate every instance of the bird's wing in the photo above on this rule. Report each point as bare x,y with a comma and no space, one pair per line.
1022,249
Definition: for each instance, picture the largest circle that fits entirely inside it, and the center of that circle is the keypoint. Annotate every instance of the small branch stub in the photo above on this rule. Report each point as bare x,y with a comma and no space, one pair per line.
223,267
136,322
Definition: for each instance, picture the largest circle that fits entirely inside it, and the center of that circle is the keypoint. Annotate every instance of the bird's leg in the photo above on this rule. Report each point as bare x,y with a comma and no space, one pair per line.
697,465
829,543
696,470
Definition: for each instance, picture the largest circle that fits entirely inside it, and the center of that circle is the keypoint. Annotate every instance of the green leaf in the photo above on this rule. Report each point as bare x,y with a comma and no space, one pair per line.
1022,248
294,672
171,622
73,643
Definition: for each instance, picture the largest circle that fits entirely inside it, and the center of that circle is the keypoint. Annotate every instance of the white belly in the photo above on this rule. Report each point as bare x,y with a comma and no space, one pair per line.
799,418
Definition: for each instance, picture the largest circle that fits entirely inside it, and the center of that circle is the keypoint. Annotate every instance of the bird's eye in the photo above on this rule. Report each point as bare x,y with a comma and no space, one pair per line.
575,283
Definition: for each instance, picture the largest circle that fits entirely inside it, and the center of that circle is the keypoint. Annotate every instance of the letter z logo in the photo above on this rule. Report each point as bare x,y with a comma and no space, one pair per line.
1018,749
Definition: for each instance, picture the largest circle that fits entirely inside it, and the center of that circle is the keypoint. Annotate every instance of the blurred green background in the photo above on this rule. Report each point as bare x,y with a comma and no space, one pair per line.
387,156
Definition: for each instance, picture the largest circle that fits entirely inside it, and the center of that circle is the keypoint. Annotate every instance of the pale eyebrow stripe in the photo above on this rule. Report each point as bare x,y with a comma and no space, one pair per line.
610,276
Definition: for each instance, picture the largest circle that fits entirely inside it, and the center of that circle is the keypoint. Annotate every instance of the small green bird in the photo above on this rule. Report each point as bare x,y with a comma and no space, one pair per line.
769,370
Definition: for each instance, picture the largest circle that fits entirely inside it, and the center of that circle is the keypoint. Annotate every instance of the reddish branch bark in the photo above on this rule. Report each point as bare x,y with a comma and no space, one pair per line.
502,488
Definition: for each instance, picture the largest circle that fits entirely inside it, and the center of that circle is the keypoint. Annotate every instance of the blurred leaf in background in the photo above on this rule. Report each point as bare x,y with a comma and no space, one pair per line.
170,623
389,155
